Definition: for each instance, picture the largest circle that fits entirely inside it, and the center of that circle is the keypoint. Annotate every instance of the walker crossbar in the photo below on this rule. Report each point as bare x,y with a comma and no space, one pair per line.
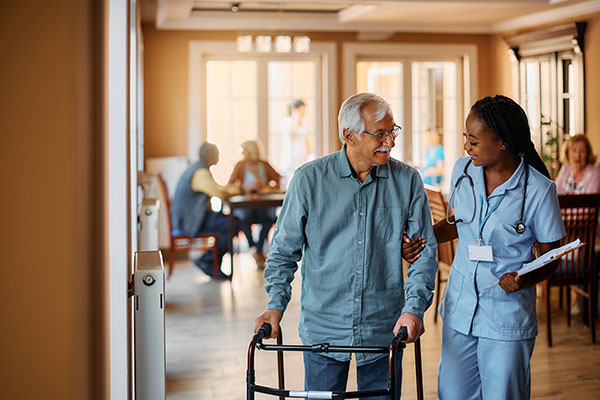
327,348
396,345
317,394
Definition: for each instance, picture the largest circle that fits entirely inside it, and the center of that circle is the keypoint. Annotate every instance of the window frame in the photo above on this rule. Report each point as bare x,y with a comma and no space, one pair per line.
200,52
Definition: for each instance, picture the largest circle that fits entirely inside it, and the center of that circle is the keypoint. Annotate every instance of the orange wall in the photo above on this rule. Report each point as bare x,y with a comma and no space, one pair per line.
503,74
592,84
166,78
45,173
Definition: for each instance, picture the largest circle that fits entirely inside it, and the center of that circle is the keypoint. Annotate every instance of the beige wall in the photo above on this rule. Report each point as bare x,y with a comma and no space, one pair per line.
166,78
46,125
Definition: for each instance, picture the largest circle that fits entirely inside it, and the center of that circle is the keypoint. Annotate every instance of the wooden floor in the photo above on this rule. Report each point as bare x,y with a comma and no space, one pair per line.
209,325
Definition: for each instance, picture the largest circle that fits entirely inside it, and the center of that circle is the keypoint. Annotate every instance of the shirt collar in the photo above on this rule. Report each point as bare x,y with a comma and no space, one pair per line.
344,169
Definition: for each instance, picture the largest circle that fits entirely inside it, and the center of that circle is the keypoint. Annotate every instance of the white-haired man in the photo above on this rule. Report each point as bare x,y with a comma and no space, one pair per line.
344,215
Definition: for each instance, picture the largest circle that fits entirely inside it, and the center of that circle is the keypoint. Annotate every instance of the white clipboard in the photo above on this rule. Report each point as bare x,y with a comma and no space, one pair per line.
546,259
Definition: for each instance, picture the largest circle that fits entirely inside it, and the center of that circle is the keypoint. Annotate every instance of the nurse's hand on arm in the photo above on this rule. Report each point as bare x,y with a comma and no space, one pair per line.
411,249
512,283
272,317
413,324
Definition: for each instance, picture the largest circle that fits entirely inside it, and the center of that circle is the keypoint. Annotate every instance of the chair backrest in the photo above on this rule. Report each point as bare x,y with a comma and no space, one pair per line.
580,216
438,206
162,185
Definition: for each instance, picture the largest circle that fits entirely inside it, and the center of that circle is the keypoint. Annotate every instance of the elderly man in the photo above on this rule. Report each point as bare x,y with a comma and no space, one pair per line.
190,209
344,215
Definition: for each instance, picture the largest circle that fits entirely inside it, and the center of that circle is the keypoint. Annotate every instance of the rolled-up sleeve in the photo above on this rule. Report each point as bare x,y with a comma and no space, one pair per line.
286,247
420,281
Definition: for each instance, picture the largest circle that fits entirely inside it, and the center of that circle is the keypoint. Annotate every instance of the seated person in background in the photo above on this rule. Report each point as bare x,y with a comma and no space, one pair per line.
254,175
578,174
190,209
433,168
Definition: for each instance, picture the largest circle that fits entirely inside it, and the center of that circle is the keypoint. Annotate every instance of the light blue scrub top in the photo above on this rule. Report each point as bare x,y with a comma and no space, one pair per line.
467,306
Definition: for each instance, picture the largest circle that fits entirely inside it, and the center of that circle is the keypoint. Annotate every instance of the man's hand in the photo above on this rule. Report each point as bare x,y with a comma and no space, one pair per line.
413,324
411,249
272,317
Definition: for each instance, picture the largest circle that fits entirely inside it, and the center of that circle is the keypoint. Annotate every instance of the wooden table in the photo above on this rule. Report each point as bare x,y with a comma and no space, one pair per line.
266,200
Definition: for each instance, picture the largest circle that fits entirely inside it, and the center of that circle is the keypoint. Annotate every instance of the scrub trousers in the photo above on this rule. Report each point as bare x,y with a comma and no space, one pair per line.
479,368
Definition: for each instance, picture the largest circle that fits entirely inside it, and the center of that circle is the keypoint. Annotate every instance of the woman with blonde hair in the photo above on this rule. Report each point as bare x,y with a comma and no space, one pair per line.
578,173
254,175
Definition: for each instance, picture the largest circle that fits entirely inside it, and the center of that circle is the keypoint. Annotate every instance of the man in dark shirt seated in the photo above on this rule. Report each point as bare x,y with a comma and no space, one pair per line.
190,209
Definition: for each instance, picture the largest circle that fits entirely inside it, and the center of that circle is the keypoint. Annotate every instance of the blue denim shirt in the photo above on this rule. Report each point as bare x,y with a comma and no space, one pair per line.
348,234
467,305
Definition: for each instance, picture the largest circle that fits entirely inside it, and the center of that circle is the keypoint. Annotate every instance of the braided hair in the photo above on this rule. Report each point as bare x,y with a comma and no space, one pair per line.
509,122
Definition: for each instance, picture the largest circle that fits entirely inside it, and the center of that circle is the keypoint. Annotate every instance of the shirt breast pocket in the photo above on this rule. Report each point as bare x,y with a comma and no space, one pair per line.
388,223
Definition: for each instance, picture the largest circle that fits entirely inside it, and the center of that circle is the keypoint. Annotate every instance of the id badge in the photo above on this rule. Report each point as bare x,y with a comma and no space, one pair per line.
480,253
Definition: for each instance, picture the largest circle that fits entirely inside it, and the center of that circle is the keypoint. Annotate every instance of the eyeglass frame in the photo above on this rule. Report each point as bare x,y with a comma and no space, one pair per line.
384,135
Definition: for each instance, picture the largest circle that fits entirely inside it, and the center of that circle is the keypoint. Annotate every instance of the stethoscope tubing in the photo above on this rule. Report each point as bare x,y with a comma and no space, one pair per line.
519,226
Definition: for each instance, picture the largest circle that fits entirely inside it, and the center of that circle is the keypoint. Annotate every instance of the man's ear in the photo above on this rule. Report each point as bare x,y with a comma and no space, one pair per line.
348,136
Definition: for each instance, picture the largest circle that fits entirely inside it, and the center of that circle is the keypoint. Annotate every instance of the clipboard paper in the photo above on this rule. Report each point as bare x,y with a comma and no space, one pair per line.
546,258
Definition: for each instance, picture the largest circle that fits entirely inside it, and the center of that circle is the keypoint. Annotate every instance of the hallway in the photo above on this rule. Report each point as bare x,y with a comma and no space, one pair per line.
209,325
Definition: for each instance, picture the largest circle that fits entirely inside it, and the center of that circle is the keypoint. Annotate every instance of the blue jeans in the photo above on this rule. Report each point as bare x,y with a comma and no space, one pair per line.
214,223
327,374
263,216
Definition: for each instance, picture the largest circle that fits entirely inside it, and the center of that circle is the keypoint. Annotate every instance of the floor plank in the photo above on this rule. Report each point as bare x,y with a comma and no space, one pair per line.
209,326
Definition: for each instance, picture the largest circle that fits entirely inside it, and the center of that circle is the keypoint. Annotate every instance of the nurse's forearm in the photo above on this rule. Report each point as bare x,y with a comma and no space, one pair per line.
444,231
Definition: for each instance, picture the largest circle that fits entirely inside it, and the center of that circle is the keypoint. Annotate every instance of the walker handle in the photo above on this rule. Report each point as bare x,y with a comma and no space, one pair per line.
402,333
264,331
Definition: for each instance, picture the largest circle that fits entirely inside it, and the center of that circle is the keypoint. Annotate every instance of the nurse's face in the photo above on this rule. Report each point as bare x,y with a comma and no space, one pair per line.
481,144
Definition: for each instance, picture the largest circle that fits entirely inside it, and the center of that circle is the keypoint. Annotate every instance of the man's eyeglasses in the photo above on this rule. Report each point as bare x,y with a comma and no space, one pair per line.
383,135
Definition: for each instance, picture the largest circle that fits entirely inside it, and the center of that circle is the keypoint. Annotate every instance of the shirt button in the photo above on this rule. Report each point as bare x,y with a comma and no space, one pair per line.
360,242
355,326
358,271
361,213
357,300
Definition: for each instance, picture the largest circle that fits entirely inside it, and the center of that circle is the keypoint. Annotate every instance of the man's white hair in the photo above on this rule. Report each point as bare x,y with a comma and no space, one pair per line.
350,117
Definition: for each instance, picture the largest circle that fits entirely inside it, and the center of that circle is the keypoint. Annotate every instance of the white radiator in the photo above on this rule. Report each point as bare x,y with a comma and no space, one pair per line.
149,326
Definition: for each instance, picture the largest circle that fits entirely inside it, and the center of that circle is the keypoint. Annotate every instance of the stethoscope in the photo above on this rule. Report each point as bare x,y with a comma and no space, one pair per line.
519,226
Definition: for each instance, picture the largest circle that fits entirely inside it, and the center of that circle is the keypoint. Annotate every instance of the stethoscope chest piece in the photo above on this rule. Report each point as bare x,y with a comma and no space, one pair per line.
520,227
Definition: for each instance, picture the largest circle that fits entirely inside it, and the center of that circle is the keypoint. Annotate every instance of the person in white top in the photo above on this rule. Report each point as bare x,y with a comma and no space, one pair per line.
297,143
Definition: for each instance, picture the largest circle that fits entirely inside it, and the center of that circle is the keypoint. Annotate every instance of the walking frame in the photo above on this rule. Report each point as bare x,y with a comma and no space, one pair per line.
397,343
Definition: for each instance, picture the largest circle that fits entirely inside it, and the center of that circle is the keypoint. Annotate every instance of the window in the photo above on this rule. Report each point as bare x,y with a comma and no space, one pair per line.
549,67
236,97
428,87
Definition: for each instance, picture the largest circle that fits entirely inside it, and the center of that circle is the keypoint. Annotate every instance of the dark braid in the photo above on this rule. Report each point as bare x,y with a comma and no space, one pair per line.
509,122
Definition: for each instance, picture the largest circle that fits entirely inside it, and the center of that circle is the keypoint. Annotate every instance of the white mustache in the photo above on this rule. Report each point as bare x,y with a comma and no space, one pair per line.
383,148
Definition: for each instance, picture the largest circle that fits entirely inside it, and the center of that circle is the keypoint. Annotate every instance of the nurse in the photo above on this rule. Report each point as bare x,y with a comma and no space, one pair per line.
503,202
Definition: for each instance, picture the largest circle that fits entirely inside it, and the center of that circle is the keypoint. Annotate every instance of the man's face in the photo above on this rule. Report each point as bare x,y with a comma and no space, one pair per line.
214,157
371,149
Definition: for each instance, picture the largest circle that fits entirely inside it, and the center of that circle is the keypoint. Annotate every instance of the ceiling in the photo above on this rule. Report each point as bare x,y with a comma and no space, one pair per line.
451,16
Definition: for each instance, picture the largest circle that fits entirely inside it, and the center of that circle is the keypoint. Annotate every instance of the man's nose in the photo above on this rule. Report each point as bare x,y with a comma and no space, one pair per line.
389,140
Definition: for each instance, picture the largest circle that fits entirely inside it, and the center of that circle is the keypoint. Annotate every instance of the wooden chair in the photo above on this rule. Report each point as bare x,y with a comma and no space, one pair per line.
577,270
201,242
446,250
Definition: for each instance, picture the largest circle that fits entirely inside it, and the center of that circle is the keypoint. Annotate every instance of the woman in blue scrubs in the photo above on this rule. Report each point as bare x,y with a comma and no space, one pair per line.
503,202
